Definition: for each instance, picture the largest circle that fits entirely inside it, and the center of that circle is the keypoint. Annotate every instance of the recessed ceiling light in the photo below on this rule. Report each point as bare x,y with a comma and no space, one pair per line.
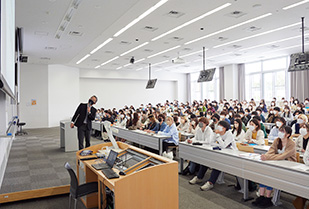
97,67
140,60
104,63
192,21
82,59
156,6
101,45
135,48
118,68
257,35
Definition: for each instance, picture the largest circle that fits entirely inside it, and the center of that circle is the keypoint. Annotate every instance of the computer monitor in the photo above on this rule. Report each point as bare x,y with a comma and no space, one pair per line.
151,83
109,130
206,75
111,158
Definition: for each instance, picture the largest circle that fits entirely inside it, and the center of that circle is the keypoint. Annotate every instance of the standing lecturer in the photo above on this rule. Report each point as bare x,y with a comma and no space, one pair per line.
82,118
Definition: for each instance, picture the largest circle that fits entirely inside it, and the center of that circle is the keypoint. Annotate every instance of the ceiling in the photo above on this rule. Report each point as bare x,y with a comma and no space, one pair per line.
230,35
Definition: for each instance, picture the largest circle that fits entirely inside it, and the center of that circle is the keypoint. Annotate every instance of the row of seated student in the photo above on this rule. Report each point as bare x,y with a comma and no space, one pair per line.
215,127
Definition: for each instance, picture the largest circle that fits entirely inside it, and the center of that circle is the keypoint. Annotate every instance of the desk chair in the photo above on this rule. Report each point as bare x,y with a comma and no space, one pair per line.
20,126
76,190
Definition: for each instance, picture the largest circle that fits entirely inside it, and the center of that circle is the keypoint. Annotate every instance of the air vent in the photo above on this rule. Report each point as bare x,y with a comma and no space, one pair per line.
41,33
148,50
166,57
274,46
237,54
44,58
176,38
95,60
187,49
75,33
125,43
115,64
175,14
236,14
235,46
221,38
149,28
50,48
108,52
252,28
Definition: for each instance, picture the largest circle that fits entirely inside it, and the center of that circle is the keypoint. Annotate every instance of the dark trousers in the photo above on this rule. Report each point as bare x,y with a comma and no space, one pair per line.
166,145
83,132
213,177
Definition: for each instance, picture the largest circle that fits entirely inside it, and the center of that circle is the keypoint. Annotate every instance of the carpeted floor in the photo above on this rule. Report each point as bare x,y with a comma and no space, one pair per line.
36,161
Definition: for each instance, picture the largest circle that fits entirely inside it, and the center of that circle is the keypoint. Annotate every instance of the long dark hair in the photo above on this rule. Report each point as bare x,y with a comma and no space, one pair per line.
288,130
135,118
239,127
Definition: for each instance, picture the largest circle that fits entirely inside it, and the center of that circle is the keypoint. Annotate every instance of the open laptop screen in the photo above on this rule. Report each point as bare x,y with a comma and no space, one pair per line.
111,158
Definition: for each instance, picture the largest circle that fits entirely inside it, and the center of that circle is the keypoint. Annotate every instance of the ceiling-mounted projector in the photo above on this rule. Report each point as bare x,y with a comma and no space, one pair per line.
178,60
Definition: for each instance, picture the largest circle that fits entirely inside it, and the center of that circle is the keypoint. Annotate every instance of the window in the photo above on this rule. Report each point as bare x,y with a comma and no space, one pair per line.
267,79
205,90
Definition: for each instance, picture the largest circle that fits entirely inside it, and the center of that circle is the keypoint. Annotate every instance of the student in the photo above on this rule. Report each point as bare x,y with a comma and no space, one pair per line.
225,139
259,112
223,116
270,116
283,148
184,124
231,116
276,114
262,125
238,132
192,125
215,121
302,141
301,120
136,123
129,120
204,135
245,119
170,130
254,133
273,134
152,122
263,106
160,126
237,116
122,121
287,115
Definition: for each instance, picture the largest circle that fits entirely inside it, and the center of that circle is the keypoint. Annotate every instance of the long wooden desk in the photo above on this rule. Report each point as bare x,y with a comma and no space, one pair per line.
154,141
152,187
288,176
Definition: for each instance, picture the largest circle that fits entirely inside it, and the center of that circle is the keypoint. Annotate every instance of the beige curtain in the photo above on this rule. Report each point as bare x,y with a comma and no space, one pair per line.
300,84
241,82
221,80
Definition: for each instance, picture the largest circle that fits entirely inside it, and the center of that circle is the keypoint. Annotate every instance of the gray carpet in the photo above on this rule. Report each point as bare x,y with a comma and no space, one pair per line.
36,161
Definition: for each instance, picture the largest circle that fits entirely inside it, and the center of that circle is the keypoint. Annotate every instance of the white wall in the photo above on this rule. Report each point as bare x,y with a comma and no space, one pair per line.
63,93
119,92
130,87
34,85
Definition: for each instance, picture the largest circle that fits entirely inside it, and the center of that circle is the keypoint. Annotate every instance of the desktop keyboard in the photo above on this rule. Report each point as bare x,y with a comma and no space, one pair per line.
109,173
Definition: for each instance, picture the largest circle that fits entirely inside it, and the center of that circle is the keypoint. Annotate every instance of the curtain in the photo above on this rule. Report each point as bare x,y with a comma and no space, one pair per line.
300,84
241,82
189,87
221,80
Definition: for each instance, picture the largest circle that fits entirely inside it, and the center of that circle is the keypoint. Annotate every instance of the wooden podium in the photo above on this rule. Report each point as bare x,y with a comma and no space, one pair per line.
151,182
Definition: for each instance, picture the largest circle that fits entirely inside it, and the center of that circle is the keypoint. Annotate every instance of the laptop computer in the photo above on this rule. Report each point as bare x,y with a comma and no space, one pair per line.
109,162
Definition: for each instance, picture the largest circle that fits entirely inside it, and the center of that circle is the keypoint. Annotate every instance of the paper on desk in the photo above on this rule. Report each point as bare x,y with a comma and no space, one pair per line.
253,156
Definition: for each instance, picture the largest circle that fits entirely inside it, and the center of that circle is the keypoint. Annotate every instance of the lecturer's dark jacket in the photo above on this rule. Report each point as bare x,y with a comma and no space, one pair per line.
80,114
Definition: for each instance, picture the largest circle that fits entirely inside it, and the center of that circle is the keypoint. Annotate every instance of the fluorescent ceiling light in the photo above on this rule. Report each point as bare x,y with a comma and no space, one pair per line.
104,63
273,42
229,28
167,50
118,68
295,5
192,21
159,63
101,45
131,50
139,60
82,59
127,65
139,69
257,35
97,67
160,3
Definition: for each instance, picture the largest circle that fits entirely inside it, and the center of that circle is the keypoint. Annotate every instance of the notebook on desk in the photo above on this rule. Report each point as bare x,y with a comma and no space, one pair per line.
109,162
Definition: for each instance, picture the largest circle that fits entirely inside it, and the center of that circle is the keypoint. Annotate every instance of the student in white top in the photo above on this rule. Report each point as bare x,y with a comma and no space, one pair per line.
203,135
302,141
273,134
225,139
193,125
254,133
301,120
184,124
287,115
238,132
121,121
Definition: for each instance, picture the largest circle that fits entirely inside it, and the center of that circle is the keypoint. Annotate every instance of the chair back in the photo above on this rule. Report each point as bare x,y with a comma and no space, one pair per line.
74,182
298,157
